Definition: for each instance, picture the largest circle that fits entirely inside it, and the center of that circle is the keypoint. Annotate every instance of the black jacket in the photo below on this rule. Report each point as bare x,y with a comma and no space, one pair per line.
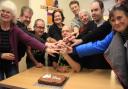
21,47
96,33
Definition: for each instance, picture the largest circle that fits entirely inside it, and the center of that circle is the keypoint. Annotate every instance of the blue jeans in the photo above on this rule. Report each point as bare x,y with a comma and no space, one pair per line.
7,69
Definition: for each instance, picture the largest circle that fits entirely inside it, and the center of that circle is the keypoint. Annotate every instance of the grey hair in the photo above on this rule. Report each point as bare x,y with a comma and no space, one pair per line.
11,7
85,12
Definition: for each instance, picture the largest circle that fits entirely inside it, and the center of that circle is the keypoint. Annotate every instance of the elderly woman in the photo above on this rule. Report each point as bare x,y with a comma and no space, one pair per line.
10,34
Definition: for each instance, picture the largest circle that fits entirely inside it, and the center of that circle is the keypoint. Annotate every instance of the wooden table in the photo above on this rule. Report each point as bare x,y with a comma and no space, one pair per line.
87,79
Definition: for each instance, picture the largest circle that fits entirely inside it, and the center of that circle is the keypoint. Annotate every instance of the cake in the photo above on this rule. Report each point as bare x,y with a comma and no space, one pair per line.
52,79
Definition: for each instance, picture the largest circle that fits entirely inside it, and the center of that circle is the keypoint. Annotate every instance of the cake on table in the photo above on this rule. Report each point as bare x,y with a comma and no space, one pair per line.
52,79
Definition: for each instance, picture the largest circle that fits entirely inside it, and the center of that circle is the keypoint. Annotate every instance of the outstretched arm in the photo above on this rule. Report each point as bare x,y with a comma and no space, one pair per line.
31,56
96,47
74,65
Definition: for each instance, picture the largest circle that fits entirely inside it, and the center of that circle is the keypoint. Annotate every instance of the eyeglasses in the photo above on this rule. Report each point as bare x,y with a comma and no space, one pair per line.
40,27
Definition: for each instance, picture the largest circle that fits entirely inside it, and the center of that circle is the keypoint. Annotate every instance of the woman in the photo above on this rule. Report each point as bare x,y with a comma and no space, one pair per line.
117,52
55,29
10,34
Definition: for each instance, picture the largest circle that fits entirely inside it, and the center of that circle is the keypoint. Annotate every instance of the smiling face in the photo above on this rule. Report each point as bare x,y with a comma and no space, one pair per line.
119,21
75,9
39,28
57,18
26,17
84,17
6,15
66,31
96,11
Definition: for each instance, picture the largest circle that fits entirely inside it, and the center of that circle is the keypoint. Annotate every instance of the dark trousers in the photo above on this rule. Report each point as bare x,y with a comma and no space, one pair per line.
7,69
95,62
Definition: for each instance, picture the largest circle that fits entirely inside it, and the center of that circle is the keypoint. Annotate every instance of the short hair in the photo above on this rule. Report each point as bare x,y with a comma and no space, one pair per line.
86,12
11,7
60,11
101,4
24,8
68,27
73,2
120,7
35,23
122,2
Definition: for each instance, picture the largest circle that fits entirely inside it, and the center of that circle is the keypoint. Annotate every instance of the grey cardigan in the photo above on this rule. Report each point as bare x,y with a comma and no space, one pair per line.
117,56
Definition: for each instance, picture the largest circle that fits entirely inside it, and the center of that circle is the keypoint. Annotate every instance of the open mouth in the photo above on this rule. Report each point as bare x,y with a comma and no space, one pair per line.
4,16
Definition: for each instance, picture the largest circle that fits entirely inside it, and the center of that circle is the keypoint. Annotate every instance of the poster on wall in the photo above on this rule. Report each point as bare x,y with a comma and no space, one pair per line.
51,5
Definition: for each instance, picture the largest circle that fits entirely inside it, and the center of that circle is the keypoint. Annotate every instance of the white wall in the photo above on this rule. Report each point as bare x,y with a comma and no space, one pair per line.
84,4
19,4
64,4
108,5
38,12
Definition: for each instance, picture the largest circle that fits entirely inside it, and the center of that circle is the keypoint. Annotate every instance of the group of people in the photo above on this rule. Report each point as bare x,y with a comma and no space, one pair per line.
90,41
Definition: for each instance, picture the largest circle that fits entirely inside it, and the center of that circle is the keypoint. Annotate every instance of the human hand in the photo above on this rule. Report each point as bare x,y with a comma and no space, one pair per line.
51,51
39,65
51,40
50,45
60,44
76,31
76,42
63,51
8,56
68,40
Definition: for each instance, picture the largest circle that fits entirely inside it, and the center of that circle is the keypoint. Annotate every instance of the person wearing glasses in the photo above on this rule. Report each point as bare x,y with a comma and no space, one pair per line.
34,56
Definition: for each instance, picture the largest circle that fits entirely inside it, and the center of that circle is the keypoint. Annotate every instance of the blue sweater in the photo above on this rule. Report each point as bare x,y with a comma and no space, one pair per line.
96,47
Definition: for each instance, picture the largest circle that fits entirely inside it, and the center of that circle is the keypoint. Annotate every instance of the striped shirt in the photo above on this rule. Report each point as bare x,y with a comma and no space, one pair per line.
4,44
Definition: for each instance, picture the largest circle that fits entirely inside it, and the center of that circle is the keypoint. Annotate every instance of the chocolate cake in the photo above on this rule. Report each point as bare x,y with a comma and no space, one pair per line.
52,79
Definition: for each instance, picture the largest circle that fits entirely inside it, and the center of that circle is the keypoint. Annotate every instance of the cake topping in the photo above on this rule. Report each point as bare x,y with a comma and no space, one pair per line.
51,76
47,76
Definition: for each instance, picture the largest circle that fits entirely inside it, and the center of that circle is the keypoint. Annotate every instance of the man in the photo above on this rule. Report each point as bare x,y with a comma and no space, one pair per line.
34,56
96,30
84,18
25,18
98,46
23,22
66,59
76,24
